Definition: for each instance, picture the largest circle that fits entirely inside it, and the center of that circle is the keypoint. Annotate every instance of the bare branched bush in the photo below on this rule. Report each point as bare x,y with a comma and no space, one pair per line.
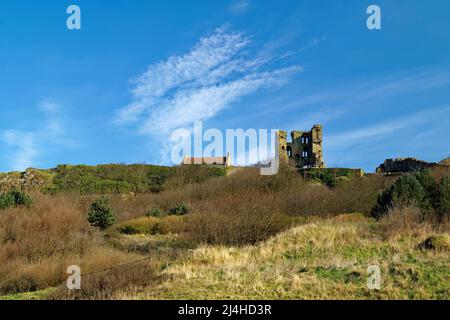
247,219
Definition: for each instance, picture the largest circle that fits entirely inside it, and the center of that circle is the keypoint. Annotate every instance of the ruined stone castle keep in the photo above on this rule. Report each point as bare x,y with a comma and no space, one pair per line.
304,150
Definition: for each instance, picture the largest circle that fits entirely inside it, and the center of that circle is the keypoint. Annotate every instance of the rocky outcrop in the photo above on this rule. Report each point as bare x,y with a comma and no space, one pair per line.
403,165
31,179
445,162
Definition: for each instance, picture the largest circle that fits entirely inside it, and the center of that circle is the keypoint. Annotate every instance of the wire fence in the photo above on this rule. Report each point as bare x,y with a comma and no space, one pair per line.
116,267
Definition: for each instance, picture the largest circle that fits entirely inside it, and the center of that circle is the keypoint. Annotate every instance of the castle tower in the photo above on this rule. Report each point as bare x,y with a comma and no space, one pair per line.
282,146
316,147
305,150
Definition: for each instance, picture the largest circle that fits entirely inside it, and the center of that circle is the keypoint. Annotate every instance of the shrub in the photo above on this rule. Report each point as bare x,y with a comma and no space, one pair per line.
235,228
24,283
419,189
6,201
156,183
128,229
14,198
326,178
180,210
436,242
101,214
430,187
407,190
331,177
154,212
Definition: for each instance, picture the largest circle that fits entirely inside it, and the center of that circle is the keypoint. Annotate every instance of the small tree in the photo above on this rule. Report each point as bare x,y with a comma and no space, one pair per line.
6,201
14,198
430,188
443,197
154,212
101,214
180,210
156,183
407,190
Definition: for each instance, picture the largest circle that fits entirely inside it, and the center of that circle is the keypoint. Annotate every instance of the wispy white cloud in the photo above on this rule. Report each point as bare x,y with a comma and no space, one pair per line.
218,71
310,44
49,107
23,148
355,96
27,146
51,111
409,135
397,84
386,128
357,92
239,6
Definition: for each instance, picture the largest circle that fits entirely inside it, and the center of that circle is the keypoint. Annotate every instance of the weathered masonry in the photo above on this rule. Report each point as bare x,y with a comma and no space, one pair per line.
305,150
212,161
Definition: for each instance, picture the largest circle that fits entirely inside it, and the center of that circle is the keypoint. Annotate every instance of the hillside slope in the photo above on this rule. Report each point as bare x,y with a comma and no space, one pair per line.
320,260
106,179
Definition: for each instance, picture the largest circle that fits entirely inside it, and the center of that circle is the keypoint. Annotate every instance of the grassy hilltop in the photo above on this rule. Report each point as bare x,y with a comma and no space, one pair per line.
195,232
106,179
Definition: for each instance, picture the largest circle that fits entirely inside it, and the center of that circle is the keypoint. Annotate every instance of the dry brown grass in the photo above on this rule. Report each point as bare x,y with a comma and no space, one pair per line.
410,221
32,237
106,284
438,172
37,245
404,221
327,259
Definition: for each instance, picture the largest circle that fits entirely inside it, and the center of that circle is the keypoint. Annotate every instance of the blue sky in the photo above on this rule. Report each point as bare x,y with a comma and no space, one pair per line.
115,90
